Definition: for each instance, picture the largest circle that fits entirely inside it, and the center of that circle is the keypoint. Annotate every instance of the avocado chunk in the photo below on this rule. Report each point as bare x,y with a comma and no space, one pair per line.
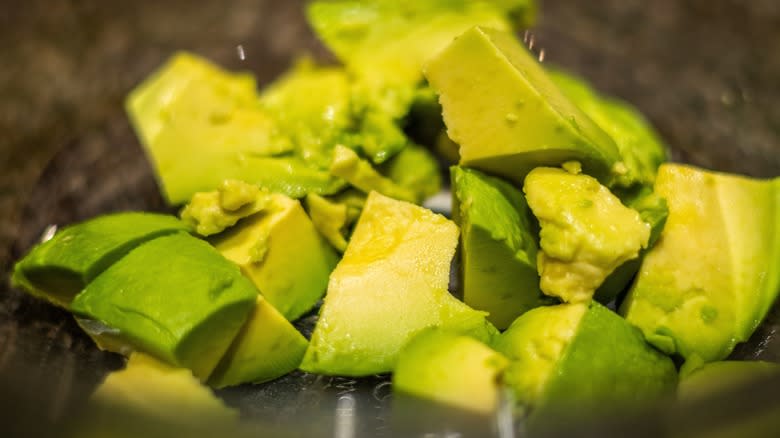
174,297
391,40
498,248
506,114
586,233
640,147
329,218
712,277
450,368
267,347
414,168
59,268
580,357
361,174
283,254
160,395
390,284
191,108
212,212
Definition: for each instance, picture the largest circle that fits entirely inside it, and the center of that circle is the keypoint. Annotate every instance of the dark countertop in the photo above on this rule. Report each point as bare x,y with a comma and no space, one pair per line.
706,73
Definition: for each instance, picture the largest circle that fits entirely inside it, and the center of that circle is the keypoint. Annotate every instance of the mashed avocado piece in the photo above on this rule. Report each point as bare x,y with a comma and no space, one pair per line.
212,212
586,233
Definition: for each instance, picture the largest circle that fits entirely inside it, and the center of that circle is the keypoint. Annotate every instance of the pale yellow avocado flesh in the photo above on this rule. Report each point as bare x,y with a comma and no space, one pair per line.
586,233
507,116
283,254
390,284
711,278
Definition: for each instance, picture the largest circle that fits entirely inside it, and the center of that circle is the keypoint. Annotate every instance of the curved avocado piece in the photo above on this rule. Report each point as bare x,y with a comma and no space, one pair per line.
160,395
498,248
506,114
450,368
283,254
390,284
59,268
586,233
711,278
267,347
640,147
191,108
174,297
573,358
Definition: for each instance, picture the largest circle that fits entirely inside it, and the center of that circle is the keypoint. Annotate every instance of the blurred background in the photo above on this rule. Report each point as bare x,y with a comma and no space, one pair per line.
705,72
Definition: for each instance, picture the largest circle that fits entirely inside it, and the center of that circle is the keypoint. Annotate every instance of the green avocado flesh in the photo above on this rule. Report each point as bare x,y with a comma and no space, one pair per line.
507,115
586,232
174,297
450,368
640,147
711,278
60,267
267,347
191,108
283,254
498,247
581,356
390,284
716,377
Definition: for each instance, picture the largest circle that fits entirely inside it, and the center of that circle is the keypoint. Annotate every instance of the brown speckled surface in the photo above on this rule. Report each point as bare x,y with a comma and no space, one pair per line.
705,73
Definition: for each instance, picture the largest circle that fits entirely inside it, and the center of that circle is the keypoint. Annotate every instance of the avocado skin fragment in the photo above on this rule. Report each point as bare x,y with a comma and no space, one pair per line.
60,267
175,298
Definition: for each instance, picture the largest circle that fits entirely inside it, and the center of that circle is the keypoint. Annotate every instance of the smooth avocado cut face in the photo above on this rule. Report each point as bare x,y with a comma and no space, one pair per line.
450,368
174,297
586,233
200,125
498,247
160,392
267,347
581,357
282,253
507,115
641,149
712,277
390,284
60,267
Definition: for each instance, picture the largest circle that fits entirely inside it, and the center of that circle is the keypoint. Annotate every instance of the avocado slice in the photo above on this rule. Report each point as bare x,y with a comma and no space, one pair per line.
267,347
711,278
580,357
586,233
265,244
450,368
158,394
640,147
191,108
59,268
506,114
174,297
390,284
498,248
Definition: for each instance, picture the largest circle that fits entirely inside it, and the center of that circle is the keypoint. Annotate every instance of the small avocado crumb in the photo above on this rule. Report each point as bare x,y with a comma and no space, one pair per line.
212,212
586,233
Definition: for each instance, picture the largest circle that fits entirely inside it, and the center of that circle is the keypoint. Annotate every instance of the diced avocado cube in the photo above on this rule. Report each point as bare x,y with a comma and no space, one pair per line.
390,284
60,267
498,248
712,276
174,297
506,114
361,174
415,168
192,109
586,233
584,358
450,368
281,252
267,347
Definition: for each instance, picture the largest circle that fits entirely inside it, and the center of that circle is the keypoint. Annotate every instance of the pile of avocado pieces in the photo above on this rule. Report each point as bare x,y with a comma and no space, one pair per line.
562,204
